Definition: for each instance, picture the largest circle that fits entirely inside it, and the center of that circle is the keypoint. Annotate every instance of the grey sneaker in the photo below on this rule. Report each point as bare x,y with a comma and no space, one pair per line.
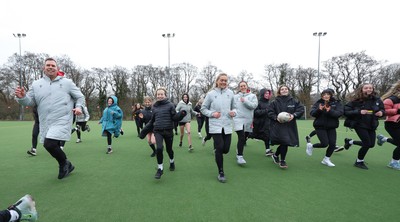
221,178
380,140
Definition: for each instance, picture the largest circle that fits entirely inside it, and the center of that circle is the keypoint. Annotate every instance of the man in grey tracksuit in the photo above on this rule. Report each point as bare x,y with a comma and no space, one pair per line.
55,97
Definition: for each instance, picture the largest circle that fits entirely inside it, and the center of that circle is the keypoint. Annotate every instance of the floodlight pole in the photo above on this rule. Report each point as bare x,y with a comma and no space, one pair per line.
319,34
19,36
168,36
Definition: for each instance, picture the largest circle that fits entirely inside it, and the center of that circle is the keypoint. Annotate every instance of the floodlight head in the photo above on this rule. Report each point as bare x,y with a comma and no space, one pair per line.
314,34
23,35
324,33
163,35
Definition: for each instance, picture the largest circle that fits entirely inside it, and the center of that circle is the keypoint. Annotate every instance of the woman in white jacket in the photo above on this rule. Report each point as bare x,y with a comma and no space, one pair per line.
246,102
219,106
184,124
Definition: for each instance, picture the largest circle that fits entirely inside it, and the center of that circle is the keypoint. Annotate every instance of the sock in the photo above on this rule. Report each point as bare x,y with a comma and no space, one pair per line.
394,161
359,161
160,166
171,160
384,139
327,158
351,142
109,146
61,147
14,215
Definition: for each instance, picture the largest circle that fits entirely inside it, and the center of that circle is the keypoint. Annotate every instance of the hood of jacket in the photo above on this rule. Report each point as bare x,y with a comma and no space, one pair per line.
262,92
115,100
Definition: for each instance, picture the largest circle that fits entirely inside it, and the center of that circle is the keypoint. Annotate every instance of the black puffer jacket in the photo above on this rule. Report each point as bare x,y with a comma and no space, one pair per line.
147,114
260,120
352,111
324,119
163,117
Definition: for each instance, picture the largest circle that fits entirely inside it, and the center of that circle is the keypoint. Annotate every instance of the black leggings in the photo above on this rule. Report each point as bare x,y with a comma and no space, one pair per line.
53,147
222,143
327,138
168,137
208,135
109,137
241,141
282,151
367,137
394,131
139,125
200,123
35,134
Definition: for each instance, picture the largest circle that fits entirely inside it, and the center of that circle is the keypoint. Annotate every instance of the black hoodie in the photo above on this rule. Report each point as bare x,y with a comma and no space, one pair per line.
260,120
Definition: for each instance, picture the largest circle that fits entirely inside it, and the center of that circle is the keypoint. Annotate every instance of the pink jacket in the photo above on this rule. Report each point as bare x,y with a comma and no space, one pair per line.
391,110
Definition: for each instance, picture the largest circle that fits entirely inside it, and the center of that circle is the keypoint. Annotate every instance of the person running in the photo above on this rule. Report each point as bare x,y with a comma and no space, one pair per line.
81,123
314,132
284,134
23,210
391,102
35,132
162,125
327,112
363,112
145,116
261,122
199,117
111,121
246,102
184,124
138,121
219,106
55,97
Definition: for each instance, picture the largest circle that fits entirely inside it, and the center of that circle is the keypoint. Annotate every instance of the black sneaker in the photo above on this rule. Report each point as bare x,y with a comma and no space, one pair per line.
275,159
153,154
180,144
87,128
31,152
122,132
171,166
347,144
308,139
283,164
361,165
269,153
109,151
338,149
221,178
65,170
158,173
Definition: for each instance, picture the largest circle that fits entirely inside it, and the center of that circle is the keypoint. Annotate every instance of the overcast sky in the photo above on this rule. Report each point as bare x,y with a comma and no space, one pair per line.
233,35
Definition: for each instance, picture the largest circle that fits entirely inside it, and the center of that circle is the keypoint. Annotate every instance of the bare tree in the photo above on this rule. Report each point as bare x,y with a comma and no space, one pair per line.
349,71
206,78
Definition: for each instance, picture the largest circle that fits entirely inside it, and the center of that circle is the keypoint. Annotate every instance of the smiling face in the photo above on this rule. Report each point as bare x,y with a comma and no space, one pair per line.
284,91
367,89
243,87
267,95
110,101
147,103
326,96
160,94
222,81
185,98
50,69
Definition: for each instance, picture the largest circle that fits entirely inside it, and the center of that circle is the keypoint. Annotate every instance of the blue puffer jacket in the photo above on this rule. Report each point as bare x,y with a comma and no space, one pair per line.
112,118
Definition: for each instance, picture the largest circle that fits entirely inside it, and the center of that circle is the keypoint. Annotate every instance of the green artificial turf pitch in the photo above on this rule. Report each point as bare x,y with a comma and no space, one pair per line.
121,186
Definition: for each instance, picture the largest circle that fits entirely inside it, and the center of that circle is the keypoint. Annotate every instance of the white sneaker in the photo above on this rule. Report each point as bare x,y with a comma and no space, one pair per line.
327,162
200,136
309,149
203,142
78,140
240,160
27,208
